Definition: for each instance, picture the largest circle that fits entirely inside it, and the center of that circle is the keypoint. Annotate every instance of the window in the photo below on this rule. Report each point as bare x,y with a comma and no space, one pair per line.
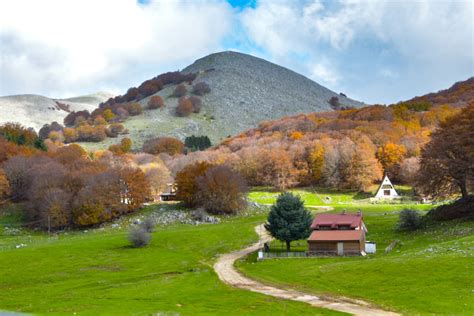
344,227
324,227
386,192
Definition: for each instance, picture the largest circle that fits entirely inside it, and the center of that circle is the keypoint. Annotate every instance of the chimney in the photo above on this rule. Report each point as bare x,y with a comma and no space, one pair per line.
359,212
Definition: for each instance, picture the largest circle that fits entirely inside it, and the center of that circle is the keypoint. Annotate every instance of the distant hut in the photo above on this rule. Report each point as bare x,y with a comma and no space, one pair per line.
170,193
386,190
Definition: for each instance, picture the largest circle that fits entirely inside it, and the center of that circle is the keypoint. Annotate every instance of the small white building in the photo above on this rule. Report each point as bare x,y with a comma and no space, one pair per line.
386,190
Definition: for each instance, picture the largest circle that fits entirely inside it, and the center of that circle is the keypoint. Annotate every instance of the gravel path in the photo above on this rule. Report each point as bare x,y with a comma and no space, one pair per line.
226,271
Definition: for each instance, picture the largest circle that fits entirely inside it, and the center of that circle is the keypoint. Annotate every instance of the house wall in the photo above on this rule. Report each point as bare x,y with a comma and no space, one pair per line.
330,247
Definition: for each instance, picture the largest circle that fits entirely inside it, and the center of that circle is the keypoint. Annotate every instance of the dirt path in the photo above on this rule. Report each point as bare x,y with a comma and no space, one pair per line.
226,271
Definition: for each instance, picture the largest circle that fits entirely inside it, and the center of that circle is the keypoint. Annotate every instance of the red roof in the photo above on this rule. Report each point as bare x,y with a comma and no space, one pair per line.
336,235
334,220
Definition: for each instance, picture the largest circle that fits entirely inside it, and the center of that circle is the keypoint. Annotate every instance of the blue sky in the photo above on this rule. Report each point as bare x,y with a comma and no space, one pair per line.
374,51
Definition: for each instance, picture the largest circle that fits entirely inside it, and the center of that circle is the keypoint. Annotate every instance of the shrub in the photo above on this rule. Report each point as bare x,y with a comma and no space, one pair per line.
134,108
70,135
148,224
108,115
334,102
184,108
139,237
196,102
409,220
156,102
114,130
169,145
201,88
180,91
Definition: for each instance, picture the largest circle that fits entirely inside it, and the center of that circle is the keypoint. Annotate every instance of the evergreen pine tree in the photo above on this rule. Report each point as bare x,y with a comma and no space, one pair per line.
288,220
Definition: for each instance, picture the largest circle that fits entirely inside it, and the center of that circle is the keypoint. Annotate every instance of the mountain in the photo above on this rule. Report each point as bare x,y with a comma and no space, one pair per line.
459,94
36,110
245,90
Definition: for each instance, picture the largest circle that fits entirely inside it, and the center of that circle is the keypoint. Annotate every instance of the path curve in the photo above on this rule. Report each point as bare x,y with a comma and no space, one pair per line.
226,271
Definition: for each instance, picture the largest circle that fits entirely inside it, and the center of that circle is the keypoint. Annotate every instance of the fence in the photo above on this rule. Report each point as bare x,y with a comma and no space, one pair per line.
271,255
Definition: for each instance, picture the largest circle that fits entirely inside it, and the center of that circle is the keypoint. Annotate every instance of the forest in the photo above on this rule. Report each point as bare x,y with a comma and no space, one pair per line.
429,147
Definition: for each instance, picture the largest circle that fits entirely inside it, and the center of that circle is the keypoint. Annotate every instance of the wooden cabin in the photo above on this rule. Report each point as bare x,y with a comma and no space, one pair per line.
337,234
170,193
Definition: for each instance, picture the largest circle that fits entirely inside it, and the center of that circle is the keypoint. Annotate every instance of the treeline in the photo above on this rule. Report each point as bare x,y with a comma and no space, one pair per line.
67,187
347,149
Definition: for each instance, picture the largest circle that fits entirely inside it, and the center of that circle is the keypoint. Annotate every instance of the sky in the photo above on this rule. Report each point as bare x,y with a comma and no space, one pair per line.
373,51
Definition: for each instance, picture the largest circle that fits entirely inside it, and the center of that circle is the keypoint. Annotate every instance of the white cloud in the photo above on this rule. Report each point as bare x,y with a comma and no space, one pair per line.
58,47
324,74
427,44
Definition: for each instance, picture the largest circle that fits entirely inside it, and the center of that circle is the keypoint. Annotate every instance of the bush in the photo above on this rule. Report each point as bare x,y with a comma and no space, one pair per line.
139,237
460,209
180,91
196,102
169,145
185,107
409,220
134,108
201,88
148,224
156,102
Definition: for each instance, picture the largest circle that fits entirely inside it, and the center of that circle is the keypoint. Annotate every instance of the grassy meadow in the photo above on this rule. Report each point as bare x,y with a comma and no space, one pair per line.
431,271
94,272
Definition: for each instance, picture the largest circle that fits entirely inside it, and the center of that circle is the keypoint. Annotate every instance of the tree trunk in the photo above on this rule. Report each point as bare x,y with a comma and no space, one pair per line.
288,245
463,187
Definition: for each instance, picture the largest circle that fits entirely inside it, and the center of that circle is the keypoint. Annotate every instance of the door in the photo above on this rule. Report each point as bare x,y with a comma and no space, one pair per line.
340,248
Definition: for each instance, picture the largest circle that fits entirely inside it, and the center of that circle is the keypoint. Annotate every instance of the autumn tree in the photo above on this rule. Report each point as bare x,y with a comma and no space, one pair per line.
4,187
184,108
180,91
221,190
196,102
201,88
447,161
156,102
124,147
316,162
390,156
288,220
169,145
186,181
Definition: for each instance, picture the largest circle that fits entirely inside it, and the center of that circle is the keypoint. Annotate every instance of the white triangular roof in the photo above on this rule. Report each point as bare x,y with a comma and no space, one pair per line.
386,186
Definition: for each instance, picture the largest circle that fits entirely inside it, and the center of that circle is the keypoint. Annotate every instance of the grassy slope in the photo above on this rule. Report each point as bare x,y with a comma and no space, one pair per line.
95,272
431,272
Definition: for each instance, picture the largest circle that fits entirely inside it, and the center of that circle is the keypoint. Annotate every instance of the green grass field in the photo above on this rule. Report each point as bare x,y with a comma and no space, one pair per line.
95,272
430,272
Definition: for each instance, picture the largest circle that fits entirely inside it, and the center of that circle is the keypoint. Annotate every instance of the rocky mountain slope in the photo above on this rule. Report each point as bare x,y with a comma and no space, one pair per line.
36,110
245,90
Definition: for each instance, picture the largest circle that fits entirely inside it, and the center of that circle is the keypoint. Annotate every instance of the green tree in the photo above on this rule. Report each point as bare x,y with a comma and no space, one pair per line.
288,220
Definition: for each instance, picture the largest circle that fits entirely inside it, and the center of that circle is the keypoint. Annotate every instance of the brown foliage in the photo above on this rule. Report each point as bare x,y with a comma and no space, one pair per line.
185,107
186,180
134,108
169,145
447,161
221,190
201,88
180,91
156,102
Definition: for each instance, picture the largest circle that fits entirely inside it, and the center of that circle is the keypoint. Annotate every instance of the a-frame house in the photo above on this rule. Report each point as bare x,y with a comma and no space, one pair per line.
386,190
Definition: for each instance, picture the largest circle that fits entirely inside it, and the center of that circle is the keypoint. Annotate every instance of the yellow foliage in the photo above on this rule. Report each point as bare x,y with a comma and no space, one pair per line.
296,135
316,161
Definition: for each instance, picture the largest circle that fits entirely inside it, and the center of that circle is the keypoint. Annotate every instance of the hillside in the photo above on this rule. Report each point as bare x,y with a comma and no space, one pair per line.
245,90
459,94
36,110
